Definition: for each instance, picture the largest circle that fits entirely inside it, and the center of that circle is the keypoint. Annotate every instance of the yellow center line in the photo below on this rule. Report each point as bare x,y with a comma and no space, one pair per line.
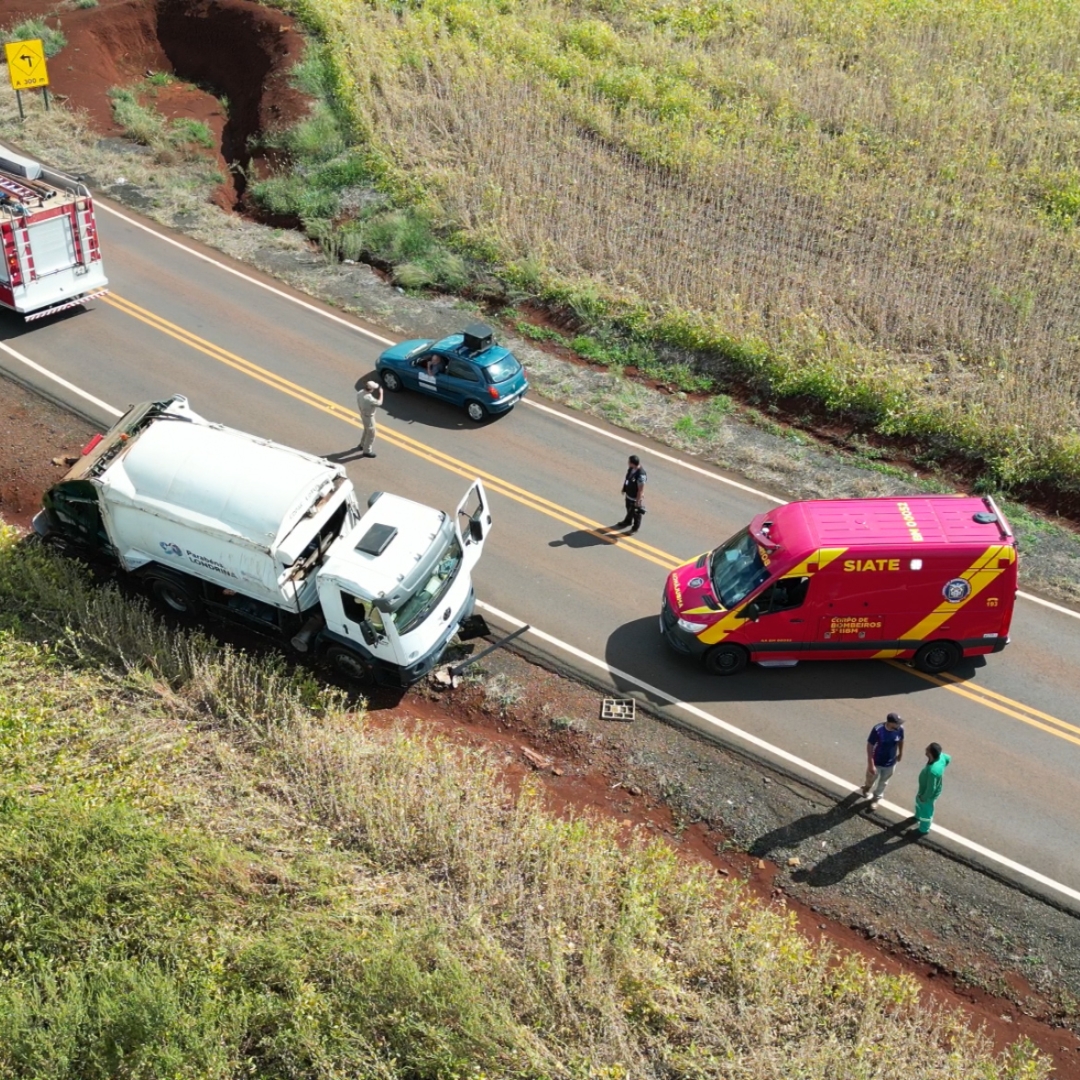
987,698
530,499
954,681
396,438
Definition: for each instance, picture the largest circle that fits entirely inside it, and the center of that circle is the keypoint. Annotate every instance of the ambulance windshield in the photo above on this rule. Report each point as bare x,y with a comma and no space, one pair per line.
736,569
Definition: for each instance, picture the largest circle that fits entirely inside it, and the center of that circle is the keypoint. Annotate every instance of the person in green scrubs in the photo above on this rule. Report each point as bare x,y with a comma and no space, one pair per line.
930,785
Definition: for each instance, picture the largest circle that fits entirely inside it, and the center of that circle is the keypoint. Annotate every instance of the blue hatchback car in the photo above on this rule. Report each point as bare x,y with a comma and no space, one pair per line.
466,369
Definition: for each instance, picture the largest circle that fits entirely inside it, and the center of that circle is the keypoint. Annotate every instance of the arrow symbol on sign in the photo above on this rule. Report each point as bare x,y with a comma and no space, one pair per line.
27,59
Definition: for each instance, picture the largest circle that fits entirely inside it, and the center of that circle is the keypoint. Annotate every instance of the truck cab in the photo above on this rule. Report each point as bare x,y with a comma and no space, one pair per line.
395,589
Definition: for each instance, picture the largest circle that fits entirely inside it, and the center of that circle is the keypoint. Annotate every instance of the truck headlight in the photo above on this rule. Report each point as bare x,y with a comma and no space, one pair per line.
691,627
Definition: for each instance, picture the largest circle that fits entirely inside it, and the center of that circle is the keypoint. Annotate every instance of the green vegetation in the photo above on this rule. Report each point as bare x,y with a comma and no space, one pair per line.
210,867
145,125
52,38
868,204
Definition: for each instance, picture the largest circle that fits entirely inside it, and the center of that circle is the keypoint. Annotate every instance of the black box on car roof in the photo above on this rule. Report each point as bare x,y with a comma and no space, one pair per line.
478,336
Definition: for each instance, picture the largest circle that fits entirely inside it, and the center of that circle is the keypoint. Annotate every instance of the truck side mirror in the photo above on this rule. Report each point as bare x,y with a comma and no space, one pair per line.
476,529
751,611
367,632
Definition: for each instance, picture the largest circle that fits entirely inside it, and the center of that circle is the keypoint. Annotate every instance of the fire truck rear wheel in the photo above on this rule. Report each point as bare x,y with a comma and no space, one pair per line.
937,656
345,662
726,659
175,595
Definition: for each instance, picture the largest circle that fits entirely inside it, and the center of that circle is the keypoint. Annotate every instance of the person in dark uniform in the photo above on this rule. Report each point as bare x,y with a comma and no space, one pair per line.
633,490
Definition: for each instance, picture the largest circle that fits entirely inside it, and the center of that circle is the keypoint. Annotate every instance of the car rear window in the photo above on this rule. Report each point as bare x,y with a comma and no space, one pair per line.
503,369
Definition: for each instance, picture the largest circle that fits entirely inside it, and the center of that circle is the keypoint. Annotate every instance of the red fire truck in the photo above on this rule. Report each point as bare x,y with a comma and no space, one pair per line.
927,578
51,258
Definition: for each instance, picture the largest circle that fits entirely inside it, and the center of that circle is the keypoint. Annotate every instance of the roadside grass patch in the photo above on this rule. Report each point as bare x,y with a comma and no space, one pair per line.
145,125
52,38
501,693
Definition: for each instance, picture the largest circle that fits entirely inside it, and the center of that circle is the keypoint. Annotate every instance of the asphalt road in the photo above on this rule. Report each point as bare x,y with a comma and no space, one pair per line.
256,360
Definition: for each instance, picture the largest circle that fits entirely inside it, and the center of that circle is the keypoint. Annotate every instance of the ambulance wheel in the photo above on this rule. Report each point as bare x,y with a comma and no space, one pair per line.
937,656
726,660
476,412
391,380
175,595
345,662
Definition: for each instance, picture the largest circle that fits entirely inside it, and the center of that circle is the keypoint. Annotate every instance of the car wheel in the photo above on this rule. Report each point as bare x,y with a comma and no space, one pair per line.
175,595
726,660
391,380
345,662
937,656
476,411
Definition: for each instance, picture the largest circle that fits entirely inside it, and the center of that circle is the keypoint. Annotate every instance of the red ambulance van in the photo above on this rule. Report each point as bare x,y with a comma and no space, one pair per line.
928,578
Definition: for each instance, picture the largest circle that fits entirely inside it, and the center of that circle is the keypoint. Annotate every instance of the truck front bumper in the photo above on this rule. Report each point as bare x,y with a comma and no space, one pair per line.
404,677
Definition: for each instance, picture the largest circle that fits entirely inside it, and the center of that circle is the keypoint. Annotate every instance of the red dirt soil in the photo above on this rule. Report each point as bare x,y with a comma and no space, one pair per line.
222,51
243,52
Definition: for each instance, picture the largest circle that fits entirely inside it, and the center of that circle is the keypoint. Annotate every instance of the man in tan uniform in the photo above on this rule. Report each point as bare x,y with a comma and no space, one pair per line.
367,401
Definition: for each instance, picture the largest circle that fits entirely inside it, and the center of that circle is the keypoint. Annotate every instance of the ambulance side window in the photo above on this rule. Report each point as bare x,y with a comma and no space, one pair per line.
783,595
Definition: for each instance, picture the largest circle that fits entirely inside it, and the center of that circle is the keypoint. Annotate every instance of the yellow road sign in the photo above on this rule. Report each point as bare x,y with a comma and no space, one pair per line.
26,64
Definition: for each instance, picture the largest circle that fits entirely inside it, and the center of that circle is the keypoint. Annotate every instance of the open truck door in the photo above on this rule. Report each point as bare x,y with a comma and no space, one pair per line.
473,523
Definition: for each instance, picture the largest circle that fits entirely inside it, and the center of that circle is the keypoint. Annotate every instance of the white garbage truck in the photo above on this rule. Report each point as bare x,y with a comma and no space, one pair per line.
217,522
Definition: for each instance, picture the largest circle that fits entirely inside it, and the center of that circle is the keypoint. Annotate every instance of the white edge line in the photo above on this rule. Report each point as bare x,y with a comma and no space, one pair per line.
715,722
652,453
246,277
1048,604
387,341
62,382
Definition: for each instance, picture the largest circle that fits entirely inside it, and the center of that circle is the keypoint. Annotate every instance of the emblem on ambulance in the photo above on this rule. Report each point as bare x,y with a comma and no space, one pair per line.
695,582
956,590
171,549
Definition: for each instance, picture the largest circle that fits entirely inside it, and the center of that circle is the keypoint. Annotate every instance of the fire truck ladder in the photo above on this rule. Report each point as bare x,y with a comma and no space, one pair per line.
82,254
19,234
20,191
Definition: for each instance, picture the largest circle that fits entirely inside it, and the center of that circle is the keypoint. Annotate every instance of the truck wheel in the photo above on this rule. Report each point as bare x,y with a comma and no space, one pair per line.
937,656
175,595
391,380
345,662
476,411
726,660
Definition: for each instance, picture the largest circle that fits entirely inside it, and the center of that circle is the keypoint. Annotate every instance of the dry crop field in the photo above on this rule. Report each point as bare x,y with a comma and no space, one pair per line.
870,203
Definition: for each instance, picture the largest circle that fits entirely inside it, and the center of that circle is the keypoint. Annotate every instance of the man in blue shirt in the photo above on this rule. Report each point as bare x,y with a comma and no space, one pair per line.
884,751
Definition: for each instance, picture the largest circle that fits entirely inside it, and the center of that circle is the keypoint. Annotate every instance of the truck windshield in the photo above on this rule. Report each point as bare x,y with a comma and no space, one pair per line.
736,569
417,608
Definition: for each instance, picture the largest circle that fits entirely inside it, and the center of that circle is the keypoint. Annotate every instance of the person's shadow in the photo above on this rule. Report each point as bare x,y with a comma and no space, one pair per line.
835,867
341,456
795,832
583,538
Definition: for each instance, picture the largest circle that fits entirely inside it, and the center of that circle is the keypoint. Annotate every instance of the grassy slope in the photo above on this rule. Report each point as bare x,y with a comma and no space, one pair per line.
210,868
872,202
